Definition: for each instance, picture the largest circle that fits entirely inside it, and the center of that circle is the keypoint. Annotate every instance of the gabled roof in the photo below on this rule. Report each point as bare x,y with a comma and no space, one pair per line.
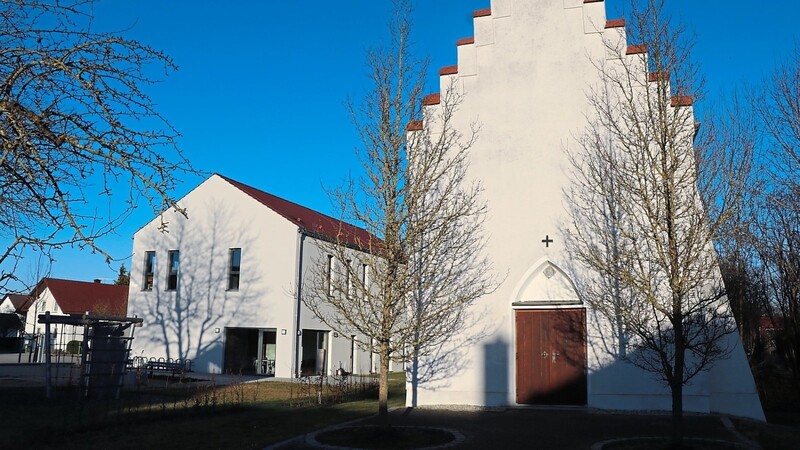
78,297
20,302
312,222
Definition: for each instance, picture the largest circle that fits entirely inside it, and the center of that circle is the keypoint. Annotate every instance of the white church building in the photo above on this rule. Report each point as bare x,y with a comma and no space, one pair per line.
524,76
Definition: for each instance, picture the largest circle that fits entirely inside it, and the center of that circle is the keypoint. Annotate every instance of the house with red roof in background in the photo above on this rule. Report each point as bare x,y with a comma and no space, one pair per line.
13,309
222,287
15,304
72,297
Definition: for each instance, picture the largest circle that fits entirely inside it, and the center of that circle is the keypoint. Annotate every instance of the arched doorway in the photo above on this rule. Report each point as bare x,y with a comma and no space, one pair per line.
550,328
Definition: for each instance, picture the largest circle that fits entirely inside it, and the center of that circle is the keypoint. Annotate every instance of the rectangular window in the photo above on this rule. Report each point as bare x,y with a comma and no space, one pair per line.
329,275
173,257
364,279
234,268
149,270
348,280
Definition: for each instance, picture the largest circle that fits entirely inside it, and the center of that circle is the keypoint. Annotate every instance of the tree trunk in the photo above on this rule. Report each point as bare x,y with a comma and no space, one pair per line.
677,415
676,384
383,385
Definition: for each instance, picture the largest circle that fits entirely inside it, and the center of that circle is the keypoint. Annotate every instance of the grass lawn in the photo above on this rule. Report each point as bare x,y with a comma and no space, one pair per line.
245,416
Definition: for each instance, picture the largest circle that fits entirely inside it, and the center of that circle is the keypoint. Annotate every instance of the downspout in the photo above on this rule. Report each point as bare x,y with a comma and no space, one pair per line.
301,237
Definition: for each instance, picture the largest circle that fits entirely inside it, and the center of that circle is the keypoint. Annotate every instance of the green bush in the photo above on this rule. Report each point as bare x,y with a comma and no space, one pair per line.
74,347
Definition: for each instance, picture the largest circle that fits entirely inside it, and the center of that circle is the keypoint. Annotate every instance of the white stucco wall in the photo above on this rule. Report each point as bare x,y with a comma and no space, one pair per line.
525,79
221,217
41,304
339,348
6,306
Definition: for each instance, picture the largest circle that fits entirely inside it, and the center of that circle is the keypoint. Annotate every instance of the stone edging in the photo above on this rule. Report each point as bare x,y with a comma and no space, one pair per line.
601,445
311,438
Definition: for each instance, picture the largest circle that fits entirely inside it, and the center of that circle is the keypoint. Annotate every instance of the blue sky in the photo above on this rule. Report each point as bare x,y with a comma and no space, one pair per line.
260,91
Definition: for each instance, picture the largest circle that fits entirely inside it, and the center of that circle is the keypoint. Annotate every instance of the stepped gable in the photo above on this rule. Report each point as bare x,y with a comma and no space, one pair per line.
310,221
609,24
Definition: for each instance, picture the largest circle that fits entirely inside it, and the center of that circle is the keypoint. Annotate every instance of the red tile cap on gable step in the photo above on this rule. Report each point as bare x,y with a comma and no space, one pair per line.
432,99
414,125
448,70
482,12
615,23
465,41
636,49
658,76
681,100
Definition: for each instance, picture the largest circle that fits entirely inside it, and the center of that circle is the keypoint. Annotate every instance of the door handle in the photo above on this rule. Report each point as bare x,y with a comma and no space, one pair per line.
555,354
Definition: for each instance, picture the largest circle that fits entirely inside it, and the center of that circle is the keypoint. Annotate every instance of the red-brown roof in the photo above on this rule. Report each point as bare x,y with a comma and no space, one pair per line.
78,297
20,302
310,221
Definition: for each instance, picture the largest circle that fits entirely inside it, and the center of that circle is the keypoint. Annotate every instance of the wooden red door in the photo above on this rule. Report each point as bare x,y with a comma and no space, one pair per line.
551,356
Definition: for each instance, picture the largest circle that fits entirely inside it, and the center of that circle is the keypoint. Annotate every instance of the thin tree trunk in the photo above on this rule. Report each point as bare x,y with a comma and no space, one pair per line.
383,385
677,415
677,378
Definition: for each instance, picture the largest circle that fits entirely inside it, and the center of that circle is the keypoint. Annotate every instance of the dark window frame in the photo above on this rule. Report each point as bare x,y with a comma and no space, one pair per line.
149,270
348,279
234,271
172,275
329,276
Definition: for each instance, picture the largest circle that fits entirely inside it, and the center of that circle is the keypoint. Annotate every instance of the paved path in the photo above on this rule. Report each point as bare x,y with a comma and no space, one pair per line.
535,428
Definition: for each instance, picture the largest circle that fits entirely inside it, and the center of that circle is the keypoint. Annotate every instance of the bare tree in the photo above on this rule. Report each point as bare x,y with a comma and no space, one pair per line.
777,229
647,202
735,127
76,129
778,234
410,290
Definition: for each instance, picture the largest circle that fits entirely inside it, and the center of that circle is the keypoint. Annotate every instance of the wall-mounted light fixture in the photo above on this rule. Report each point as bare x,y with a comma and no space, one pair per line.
216,330
299,332
335,334
283,331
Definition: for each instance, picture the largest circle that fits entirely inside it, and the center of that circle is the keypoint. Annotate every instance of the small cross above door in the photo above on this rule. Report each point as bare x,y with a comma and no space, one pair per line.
547,241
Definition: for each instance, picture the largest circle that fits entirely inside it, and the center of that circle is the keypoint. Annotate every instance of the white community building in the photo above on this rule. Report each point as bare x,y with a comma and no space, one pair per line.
220,288
524,76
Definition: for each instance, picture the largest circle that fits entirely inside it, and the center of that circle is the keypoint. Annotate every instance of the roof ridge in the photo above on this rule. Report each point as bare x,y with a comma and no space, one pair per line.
235,182
353,234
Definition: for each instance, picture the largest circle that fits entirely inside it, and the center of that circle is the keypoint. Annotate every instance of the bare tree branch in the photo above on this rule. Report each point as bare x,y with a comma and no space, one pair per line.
76,124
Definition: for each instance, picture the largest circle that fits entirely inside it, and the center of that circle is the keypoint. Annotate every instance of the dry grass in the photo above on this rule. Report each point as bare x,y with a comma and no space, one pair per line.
176,415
